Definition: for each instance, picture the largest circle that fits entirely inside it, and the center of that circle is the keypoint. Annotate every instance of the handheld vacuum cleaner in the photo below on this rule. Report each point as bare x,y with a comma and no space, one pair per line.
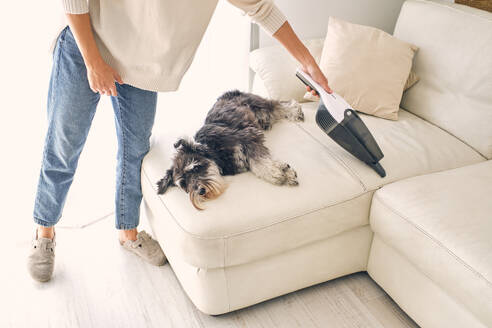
341,123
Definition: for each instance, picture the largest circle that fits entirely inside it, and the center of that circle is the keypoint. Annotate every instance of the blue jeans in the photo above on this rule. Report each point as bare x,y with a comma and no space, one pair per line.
71,108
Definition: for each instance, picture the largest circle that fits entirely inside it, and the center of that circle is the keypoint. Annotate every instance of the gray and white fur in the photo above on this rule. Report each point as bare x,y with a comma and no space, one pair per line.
230,142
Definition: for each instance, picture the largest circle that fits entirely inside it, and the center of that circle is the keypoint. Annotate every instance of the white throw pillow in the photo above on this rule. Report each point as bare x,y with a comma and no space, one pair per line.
276,68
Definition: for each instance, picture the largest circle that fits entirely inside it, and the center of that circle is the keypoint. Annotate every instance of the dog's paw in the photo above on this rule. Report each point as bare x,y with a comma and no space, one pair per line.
299,116
297,113
276,173
293,111
290,175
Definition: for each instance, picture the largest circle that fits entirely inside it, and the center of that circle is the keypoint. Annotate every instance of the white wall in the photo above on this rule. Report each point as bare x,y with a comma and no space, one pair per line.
25,63
309,18
220,64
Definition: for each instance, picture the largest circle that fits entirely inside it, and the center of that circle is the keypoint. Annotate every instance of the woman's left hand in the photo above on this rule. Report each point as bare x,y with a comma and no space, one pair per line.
317,75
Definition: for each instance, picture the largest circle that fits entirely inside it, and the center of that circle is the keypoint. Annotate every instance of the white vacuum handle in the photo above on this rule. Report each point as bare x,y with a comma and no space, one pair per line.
333,102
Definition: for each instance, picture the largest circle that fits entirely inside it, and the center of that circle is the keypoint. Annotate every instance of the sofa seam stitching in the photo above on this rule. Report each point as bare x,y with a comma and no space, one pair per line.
370,227
432,238
337,158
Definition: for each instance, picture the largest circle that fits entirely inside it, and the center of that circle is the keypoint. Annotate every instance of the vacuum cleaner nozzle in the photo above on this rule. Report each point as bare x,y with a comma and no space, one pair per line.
342,123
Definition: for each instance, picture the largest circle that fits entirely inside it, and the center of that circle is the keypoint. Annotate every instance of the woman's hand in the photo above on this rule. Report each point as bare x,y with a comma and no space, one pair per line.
317,75
102,78
286,36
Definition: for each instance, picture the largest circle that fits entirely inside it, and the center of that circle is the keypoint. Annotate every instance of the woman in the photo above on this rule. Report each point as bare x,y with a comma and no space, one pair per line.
129,51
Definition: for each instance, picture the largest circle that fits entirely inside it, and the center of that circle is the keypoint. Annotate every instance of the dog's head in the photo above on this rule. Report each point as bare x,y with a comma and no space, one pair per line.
194,171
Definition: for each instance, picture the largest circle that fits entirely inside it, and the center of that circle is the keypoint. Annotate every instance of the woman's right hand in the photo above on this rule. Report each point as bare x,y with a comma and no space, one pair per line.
102,78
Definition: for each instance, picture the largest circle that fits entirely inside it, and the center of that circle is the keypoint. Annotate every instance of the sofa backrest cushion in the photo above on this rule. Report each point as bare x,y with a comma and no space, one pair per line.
454,63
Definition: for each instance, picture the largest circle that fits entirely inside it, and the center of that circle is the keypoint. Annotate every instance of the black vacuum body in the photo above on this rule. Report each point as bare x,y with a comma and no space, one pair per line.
345,127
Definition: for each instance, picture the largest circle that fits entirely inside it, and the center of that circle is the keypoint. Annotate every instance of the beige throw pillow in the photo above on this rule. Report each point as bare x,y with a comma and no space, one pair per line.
412,79
366,66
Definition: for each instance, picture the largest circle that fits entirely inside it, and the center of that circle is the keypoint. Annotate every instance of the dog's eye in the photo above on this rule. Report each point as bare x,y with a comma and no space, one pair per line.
196,168
182,184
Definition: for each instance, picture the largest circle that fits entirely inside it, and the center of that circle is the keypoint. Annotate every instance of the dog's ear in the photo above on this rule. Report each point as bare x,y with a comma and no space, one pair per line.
189,146
184,145
179,142
165,182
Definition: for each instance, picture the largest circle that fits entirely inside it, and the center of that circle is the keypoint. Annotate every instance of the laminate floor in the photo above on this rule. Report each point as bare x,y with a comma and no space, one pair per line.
98,284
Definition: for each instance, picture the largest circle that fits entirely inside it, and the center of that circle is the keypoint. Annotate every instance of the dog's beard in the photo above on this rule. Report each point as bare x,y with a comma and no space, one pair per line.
214,185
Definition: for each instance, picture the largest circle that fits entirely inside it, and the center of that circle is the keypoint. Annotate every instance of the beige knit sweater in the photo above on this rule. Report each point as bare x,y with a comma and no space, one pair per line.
151,43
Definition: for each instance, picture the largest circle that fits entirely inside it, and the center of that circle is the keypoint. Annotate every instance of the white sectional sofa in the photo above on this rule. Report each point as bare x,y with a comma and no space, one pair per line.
423,233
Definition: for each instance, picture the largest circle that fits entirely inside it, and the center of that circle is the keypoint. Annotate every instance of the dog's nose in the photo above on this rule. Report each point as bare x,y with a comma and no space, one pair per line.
202,191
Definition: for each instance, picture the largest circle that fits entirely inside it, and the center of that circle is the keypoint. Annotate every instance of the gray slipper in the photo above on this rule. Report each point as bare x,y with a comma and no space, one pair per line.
147,248
41,259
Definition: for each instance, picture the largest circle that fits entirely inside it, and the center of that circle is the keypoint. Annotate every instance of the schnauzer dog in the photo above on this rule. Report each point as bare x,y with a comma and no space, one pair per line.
230,142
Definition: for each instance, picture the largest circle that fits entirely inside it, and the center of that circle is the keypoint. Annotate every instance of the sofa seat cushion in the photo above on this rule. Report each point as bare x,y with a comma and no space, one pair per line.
442,223
411,147
254,219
